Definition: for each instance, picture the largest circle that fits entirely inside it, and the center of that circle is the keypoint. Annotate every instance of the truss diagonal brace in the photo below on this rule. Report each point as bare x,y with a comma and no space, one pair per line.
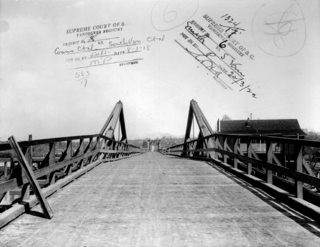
31,178
116,116
203,124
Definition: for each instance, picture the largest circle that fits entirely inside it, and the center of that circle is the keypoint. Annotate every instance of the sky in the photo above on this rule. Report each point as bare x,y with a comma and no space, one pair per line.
60,77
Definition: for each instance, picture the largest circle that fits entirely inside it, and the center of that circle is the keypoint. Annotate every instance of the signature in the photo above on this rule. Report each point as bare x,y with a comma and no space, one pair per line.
205,60
282,27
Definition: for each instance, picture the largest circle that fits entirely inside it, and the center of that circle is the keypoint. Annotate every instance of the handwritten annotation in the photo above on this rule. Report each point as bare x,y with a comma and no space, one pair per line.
96,48
279,28
206,50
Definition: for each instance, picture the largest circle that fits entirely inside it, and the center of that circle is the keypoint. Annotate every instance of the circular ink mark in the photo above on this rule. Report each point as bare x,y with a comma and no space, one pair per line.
279,29
167,15
4,26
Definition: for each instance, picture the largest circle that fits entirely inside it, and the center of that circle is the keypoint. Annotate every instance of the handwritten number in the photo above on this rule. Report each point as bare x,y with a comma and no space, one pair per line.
170,19
222,45
84,81
166,14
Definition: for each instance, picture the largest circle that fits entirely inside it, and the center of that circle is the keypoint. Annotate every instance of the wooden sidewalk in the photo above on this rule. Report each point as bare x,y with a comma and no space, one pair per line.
156,200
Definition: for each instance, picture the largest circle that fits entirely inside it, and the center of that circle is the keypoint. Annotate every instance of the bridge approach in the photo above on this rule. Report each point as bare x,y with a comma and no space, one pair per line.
204,192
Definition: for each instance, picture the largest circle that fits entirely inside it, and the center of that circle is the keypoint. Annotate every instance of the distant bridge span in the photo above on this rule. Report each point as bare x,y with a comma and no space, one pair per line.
203,192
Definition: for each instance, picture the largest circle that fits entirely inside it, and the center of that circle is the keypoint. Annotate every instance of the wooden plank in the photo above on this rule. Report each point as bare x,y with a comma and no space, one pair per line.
32,180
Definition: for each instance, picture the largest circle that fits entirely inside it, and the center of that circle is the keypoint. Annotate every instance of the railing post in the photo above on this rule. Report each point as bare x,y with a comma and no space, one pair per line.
299,184
5,169
52,155
249,150
69,149
216,142
235,151
225,144
28,153
269,159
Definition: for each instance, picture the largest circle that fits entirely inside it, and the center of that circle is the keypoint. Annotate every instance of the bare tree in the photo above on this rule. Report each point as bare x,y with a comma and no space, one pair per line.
226,117
313,153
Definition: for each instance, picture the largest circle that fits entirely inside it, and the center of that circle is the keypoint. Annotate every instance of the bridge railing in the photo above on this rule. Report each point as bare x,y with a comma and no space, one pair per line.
53,159
279,157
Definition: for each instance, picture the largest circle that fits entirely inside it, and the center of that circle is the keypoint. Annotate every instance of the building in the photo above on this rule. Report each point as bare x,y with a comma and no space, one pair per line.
288,128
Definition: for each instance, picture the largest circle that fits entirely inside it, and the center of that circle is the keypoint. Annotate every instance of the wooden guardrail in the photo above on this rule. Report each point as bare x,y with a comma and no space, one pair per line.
78,153
65,159
239,149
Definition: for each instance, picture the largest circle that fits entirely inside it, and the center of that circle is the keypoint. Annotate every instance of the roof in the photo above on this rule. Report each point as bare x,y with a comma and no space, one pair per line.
266,127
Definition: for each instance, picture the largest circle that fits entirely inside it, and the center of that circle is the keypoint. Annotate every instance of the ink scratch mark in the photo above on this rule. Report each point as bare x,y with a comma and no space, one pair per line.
279,28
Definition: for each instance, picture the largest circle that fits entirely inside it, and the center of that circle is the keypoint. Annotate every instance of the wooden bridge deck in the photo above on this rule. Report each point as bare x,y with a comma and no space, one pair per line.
155,200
